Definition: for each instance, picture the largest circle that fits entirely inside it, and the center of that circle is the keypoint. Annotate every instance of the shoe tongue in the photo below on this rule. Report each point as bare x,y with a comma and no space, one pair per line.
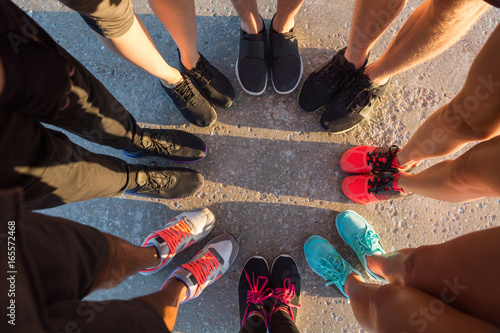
395,184
146,140
141,178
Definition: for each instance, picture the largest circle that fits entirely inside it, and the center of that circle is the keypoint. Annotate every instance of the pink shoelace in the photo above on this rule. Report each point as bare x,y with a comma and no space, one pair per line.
257,295
285,295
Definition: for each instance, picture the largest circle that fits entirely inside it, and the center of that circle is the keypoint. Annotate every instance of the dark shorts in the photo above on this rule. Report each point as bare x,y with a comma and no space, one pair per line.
495,3
57,262
109,18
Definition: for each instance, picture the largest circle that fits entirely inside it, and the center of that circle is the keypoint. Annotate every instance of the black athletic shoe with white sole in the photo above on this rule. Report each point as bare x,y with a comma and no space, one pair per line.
251,66
286,64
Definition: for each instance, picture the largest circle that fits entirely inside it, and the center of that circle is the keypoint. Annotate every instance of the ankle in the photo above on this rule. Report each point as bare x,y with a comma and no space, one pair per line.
379,80
352,281
173,84
252,27
190,61
357,59
283,26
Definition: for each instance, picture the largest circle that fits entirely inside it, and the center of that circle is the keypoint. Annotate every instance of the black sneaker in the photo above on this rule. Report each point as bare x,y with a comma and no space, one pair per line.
251,67
286,64
179,146
165,183
353,105
253,291
285,280
211,81
193,106
326,82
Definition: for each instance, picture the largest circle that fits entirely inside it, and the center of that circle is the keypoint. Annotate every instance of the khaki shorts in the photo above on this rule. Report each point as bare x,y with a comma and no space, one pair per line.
109,18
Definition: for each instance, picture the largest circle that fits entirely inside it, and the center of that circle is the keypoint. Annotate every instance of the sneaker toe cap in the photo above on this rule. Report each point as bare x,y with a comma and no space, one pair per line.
356,189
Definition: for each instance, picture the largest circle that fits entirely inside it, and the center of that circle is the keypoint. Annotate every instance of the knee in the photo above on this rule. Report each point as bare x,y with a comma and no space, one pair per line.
462,120
411,265
387,301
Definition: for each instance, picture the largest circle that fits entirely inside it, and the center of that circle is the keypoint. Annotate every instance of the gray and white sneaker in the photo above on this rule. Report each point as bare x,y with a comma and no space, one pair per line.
182,231
207,266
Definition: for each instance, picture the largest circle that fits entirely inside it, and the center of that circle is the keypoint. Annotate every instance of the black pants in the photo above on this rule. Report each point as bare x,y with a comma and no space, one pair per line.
281,322
51,169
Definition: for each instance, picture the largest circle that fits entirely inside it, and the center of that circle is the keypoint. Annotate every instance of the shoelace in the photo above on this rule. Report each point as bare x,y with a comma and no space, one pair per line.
382,161
185,92
381,183
360,94
161,143
257,295
203,72
326,77
174,235
157,179
202,267
285,295
333,268
368,240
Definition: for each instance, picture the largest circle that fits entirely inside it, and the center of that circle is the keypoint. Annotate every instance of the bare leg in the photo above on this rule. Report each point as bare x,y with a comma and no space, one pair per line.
251,21
180,20
369,21
392,308
474,114
124,260
432,28
462,272
284,20
473,175
166,301
137,47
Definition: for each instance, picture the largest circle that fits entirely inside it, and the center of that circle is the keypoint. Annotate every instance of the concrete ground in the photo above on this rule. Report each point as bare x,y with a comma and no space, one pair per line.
272,174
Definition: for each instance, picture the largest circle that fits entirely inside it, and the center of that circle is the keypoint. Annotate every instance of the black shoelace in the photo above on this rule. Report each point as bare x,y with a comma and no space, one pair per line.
375,159
161,143
381,183
185,92
326,78
157,179
203,72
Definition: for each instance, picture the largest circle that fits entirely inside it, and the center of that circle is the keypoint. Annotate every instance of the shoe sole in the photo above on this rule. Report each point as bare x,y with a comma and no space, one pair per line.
172,159
242,87
296,85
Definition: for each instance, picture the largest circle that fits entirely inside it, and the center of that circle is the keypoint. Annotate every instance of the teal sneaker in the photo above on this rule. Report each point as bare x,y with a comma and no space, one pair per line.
361,237
327,262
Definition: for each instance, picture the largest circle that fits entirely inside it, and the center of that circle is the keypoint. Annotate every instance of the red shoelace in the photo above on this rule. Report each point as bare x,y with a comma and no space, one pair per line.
202,267
173,236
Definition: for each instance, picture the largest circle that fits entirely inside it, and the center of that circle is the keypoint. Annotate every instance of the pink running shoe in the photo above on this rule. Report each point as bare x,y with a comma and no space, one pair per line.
368,189
184,230
370,159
